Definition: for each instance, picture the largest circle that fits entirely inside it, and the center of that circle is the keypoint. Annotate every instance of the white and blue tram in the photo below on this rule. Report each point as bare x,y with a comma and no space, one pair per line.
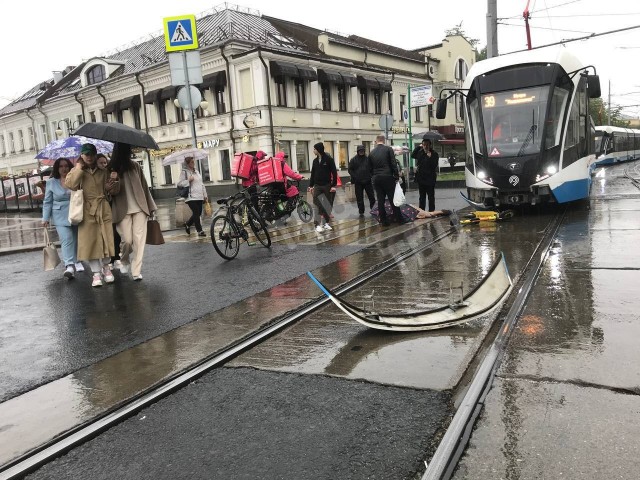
616,144
529,134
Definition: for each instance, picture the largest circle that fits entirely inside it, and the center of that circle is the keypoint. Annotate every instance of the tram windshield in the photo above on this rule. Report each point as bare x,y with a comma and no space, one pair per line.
599,141
514,121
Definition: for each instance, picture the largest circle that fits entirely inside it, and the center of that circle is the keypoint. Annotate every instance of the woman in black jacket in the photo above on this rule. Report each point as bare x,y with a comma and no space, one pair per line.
426,173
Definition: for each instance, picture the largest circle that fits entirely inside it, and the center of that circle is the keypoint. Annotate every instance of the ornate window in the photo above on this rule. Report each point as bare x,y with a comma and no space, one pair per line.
96,74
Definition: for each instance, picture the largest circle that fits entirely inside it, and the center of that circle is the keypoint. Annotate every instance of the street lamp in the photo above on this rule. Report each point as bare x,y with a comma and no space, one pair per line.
70,127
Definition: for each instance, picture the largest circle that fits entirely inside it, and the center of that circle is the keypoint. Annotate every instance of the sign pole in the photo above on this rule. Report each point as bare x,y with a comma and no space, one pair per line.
410,135
191,112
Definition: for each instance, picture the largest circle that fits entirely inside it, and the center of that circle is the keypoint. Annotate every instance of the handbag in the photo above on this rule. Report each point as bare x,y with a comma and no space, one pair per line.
50,253
398,196
207,208
154,233
183,192
76,206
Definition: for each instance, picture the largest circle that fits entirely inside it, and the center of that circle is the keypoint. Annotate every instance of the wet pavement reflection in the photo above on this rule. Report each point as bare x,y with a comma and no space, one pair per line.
566,401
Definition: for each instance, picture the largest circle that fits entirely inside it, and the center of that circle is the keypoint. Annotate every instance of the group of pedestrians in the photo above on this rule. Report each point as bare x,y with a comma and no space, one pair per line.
114,193
379,172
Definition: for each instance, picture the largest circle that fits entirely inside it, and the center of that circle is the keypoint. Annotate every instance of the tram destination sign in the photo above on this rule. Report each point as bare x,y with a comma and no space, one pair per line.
498,100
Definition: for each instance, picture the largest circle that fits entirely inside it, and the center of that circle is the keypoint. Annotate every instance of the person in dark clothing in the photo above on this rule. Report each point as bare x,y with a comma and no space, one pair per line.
384,170
323,181
426,173
361,178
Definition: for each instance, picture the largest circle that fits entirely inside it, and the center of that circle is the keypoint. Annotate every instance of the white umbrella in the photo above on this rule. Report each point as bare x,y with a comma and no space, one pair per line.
178,157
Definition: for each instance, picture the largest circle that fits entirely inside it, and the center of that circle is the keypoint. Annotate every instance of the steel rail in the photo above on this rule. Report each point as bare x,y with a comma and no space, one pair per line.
29,462
455,439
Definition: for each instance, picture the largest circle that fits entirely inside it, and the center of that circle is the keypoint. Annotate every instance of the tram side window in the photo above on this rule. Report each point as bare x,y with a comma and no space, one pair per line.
573,126
475,125
554,124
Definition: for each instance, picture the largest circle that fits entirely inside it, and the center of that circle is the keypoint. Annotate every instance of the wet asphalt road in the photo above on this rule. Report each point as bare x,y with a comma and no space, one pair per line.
69,325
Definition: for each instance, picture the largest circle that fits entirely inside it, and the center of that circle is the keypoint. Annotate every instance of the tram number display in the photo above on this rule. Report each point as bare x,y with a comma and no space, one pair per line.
517,98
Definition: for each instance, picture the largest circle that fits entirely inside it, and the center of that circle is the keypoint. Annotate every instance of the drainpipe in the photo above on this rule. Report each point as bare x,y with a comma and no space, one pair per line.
233,145
104,102
84,117
46,119
273,136
35,133
146,127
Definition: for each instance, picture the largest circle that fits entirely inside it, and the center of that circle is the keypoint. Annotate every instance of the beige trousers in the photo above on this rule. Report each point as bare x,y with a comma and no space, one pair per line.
133,232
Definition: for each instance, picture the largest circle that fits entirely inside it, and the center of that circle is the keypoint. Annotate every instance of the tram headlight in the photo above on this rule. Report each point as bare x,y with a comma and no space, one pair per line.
552,170
482,175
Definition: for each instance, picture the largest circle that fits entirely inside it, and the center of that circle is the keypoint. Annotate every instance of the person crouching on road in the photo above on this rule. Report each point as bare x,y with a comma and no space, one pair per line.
95,233
361,179
321,183
197,194
55,207
132,206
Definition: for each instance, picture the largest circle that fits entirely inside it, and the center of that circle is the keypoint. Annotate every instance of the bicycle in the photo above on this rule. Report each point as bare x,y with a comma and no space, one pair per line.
229,228
272,207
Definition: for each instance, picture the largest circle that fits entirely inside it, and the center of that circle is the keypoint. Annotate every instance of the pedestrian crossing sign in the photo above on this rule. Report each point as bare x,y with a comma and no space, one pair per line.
180,33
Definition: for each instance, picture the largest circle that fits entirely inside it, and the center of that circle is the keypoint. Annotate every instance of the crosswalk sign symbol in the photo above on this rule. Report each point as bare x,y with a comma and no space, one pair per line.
180,33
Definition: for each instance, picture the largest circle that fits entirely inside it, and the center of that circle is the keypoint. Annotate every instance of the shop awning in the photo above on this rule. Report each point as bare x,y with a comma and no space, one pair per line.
152,97
349,80
217,79
368,82
329,76
385,85
307,73
283,69
131,102
168,93
110,107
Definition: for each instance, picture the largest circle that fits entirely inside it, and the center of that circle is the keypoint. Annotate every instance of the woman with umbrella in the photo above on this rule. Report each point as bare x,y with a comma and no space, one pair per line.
95,234
132,206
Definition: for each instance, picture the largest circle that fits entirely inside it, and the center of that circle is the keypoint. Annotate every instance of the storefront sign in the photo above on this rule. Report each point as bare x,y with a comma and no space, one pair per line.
398,129
210,143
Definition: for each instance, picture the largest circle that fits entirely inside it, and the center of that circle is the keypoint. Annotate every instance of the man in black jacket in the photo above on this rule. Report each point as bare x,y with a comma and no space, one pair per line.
322,182
426,173
361,178
384,171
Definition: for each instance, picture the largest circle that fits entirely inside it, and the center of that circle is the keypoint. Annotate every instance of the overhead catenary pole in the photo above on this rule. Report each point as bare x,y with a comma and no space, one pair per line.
409,119
492,28
609,106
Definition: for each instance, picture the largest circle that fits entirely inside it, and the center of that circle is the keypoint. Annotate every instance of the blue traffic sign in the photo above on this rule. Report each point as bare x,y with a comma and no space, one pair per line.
180,33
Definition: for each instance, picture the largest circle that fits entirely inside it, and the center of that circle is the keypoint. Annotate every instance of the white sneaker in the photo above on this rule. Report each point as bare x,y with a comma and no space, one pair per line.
79,267
124,267
327,226
137,278
319,228
108,276
97,280
117,264
68,273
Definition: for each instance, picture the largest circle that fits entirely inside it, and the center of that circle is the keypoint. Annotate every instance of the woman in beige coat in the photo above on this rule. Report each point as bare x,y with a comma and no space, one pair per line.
132,206
95,234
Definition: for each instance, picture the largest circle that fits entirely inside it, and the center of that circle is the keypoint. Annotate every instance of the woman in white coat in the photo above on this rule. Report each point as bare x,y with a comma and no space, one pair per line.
190,177
55,208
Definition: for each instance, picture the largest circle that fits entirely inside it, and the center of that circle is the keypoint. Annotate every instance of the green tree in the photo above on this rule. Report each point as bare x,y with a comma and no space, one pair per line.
458,30
599,111
482,54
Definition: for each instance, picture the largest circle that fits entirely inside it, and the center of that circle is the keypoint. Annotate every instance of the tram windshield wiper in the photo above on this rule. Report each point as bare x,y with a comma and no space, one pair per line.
527,140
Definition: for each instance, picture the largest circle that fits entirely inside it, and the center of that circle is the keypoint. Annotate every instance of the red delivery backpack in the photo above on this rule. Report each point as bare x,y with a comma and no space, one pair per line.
241,166
270,171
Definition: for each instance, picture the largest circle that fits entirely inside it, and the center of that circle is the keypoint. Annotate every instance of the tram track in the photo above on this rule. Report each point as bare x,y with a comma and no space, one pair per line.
451,447
36,458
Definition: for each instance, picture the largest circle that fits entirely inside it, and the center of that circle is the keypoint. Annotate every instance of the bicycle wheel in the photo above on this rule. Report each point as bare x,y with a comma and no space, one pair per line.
224,236
305,212
259,227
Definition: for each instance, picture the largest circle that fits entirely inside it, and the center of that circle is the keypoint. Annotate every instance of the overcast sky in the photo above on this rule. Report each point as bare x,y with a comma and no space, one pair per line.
46,36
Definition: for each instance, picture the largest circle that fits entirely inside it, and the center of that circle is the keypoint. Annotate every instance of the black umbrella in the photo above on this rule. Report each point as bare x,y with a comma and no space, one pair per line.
433,136
117,132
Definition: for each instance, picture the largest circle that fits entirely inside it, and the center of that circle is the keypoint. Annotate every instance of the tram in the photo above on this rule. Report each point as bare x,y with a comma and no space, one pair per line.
530,139
616,144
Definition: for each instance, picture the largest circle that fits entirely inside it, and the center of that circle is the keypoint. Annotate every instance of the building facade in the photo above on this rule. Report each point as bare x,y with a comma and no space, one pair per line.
268,85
